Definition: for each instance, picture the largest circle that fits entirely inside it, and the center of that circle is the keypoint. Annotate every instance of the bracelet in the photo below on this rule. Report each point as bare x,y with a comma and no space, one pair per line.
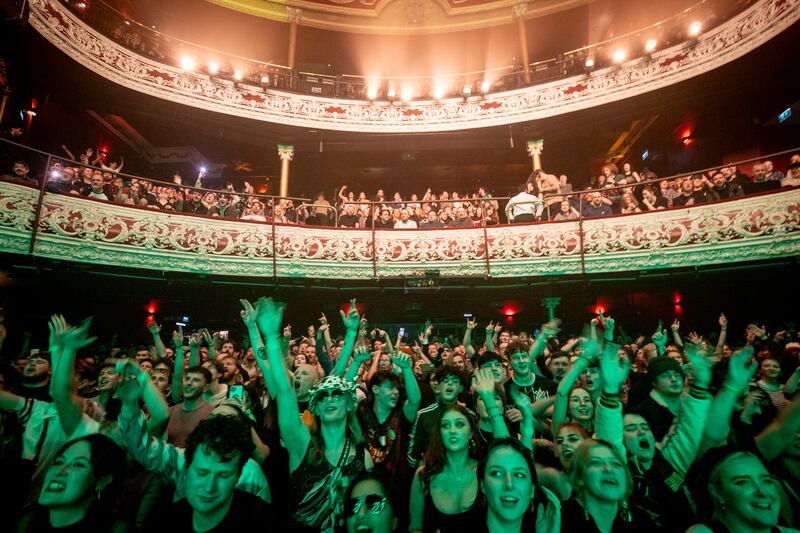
262,353
699,392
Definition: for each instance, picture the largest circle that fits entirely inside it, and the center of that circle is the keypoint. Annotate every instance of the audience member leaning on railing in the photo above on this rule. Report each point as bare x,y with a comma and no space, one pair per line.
542,197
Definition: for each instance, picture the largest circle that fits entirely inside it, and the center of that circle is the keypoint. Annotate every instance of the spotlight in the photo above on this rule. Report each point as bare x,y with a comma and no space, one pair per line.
264,79
238,75
438,92
467,90
694,28
392,93
589,62
650,45
485,86
406,94
213,68
619,55
187,63
372,92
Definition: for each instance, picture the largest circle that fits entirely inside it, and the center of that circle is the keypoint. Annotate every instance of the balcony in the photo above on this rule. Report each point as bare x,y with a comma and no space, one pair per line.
72,228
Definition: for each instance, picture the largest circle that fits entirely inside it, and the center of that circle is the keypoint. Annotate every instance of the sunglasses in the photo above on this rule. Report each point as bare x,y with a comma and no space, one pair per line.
334,394
374,503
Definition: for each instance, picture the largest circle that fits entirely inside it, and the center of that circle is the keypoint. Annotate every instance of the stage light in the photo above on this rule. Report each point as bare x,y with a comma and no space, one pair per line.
238,75
694,28
213,68
619,56
599,310
187,63
406,94
372,91
466,90
589,62
392,93
485,86
650,45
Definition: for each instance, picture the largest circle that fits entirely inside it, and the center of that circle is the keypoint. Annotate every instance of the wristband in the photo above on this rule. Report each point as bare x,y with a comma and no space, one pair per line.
699,392
261,353
727,386
609,400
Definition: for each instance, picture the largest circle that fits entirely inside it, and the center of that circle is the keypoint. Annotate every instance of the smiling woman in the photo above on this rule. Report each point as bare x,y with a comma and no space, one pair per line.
81,487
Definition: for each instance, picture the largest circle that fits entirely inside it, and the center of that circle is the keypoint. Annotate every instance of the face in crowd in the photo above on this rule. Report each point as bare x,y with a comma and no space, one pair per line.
368,509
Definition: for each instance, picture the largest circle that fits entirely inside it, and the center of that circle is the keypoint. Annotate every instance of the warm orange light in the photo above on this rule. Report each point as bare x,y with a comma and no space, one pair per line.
187,63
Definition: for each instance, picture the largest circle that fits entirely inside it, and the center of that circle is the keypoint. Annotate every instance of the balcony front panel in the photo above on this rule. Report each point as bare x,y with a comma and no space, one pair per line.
77,229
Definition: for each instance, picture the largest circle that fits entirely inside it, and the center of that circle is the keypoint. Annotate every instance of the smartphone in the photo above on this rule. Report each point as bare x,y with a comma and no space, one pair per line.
424,367
402,332
224,334
236,391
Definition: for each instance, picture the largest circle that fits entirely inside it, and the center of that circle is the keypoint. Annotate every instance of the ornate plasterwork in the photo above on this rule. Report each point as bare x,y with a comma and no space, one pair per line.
79,229
741,34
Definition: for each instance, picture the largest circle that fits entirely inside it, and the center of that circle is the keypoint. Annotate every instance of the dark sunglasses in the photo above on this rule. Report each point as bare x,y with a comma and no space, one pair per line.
374,503
334,394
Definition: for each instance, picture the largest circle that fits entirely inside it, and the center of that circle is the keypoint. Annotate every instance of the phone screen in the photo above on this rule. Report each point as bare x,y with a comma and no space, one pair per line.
402,331
235,391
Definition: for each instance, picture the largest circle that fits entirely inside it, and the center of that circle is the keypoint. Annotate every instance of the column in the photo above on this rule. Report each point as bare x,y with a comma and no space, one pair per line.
551,303
535,151
294,18
286,153
519,13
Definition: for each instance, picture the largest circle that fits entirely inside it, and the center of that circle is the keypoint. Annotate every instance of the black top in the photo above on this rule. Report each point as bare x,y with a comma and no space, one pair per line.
575,518
246,510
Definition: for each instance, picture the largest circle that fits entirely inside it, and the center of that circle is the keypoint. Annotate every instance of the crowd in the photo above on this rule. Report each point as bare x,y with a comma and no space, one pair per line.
356,430
542,197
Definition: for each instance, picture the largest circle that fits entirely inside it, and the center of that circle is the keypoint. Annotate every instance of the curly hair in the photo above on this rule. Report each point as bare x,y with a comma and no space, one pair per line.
227,436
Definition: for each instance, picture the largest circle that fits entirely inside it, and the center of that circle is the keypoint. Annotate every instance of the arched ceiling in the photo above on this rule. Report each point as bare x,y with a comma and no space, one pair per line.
399,16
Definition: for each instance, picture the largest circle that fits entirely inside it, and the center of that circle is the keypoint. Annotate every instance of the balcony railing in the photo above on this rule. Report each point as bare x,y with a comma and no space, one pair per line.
73,228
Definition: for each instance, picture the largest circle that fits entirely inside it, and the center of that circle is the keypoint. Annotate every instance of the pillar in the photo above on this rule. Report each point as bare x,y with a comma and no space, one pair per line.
519,13
286,153
535,151
294,19
551,303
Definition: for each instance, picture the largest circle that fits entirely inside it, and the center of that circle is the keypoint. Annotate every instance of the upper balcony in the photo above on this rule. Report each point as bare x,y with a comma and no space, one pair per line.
267,92
66,227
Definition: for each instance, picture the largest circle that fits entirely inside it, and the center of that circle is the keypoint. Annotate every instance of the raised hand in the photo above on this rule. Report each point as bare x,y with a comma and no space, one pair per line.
311,331
694,338
130,384
660,339
57,325
723,321
269,316
490,327
207,337
701,365
248,313
323,320
741,369
483,381
177,336
614,370
287,331
352,319
195,340
154,328
471,323
361,354
550,329
402,361
676,325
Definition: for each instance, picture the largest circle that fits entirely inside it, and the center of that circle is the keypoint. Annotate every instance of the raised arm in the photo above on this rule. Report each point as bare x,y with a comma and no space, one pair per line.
177,374
351,323
483,384
773,440
549,329
360,356
740,371
248,314
723,333
676,336
608,415
155,331
65,341
589,354
467,341
489,342
294,433
413,395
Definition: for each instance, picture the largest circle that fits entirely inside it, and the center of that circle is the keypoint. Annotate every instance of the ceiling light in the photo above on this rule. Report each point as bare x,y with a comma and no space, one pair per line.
238,75
466,90
187,63
213,68
694,28
485,86
264,79
406,94
372,91
650,45
392,93
619,55
438,91
589,62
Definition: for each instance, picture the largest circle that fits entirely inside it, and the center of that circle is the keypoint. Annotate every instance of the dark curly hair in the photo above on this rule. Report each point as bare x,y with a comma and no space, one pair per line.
227,436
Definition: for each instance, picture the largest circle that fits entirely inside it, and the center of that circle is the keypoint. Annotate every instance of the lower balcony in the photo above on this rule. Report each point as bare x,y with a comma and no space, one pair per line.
83,230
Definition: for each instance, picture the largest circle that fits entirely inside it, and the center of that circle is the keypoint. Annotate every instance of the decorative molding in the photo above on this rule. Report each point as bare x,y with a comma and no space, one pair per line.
285,151
721,45
535,147
79,229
